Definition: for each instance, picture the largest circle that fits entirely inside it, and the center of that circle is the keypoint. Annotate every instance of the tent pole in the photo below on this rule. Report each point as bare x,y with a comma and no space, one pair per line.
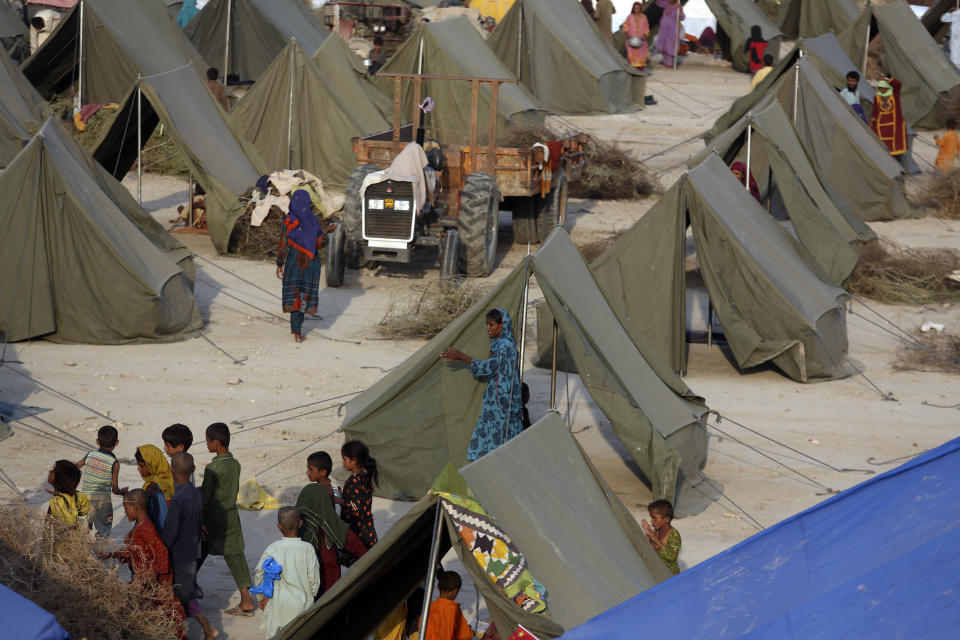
140,143
431,571
709,323
190,199
523,318
676,53
80,63
866,49
746,176
226,44
520,40
553,370
290,114
796,90
419,64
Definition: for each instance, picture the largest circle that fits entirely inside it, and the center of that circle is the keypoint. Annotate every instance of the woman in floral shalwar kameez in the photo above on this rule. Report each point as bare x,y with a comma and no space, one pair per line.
501,412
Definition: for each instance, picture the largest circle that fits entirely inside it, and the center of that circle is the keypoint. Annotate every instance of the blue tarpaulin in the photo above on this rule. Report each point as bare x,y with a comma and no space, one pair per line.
880,560
23,619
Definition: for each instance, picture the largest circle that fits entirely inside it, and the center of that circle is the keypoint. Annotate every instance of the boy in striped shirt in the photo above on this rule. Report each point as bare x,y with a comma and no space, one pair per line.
100,472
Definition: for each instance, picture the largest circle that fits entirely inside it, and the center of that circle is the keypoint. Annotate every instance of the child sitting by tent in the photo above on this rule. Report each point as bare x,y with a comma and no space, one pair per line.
755,48
949,145
148,557
664,539
321,527
445,620
299,577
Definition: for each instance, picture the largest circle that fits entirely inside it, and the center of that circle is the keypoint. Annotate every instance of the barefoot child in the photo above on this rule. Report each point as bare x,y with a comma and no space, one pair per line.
100,473
321,527
299,580
181,536
661,534
445,620
949,145
147,556
357,506
221,520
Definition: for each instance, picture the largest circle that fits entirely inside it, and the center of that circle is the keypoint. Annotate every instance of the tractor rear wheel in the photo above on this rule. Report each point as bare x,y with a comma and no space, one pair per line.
335,255
479,223
524,210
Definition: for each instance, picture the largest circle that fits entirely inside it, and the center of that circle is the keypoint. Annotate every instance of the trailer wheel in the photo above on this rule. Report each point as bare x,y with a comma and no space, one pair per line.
552,208
524,218
450,254
335,255
478,223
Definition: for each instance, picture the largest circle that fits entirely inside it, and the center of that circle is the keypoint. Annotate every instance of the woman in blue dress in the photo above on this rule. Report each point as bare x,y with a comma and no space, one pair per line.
501,412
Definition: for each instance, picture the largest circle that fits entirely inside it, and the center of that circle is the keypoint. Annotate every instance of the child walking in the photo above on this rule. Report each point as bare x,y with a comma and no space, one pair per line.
664,539
293,591
177,438
181,536
357,502
445,620
147,556
321,527
221,520
100,474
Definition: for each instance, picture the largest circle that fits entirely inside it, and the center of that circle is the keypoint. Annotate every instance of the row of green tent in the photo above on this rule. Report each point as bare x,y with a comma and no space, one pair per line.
931,84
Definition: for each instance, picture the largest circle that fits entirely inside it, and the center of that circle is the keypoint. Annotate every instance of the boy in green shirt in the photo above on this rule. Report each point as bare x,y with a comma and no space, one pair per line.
221,531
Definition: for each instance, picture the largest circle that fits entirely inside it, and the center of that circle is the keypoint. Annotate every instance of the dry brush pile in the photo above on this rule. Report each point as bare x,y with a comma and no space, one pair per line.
610,172
942,194
933,351
65,578
897,275
425,309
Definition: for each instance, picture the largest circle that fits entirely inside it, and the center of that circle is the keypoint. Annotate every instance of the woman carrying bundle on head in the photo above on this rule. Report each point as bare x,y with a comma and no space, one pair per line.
501,414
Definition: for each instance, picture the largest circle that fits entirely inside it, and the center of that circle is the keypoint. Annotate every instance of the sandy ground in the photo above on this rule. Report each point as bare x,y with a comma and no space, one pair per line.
816,432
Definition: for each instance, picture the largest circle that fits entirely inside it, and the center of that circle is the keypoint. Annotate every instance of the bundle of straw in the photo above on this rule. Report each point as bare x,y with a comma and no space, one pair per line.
897,275
424,310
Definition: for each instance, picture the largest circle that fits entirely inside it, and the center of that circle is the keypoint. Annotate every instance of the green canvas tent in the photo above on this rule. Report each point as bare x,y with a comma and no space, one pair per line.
734,18
656,416
809,18
931,84
845,153
121,39
21,110
258,31
827,230
771,306
577,538
220,159
279,117
455,48
78,266
348,76
558,53
13,33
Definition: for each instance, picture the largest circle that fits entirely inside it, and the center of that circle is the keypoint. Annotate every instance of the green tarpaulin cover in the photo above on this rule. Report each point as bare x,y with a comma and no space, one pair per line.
580,542
11,24
652,411
81,262
931,84
809,18
560,56
827,230
121,39
455,48
259,30
735,17
279,115
220,159
348,76
845,153
771,306
21,110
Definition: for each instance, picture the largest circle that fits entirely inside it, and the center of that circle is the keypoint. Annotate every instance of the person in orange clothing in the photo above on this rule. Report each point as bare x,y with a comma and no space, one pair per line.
445,620
949,145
